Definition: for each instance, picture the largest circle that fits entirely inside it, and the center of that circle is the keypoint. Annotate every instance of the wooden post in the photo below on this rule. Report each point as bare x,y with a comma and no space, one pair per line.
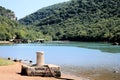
40,58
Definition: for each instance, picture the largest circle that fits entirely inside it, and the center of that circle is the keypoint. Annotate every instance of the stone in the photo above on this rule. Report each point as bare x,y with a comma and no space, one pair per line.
40,58
115,71
9,58
43,70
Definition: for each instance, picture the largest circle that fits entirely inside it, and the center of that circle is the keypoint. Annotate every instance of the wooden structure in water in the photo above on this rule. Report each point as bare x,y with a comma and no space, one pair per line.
41,69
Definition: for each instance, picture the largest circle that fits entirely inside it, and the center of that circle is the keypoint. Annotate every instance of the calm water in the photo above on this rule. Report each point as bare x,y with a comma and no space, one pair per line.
71,56
66,53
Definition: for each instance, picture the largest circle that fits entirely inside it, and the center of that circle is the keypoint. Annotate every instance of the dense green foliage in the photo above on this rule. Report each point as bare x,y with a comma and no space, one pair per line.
81,20
10,29
7,13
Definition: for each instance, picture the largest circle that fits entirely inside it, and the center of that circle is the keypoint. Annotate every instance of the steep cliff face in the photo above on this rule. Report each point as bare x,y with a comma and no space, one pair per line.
7,13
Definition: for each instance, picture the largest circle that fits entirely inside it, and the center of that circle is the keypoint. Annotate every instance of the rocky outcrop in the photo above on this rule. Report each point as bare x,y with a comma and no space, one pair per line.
7,13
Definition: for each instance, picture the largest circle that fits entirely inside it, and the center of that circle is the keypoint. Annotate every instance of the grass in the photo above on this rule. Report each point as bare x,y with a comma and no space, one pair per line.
4,62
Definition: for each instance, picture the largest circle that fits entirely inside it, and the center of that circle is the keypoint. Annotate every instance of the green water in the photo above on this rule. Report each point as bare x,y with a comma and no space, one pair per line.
103,46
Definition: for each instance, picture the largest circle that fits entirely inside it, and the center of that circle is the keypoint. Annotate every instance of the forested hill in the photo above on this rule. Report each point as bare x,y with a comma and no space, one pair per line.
7,13
81,20
11,29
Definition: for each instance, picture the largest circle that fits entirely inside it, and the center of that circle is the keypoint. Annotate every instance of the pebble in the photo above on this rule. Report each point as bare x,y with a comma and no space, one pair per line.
115,71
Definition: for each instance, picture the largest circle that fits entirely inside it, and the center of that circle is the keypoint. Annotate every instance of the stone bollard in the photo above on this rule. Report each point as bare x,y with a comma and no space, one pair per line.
40,58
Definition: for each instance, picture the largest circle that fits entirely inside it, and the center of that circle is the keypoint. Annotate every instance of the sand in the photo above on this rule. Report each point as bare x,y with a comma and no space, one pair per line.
12,72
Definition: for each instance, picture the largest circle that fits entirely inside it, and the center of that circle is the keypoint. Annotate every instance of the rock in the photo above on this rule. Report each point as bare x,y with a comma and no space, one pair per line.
15,60
115,71
30,61
115,43
43,70
9,58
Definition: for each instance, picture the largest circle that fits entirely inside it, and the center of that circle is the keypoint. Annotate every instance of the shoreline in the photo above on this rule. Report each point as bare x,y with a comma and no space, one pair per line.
95,73
13,72
5,42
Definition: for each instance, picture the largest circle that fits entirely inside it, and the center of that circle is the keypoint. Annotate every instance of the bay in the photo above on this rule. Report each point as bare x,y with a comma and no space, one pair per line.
66,53
75,58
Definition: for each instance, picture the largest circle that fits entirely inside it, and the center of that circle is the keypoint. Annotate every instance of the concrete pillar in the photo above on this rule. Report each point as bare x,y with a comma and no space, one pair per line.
40,58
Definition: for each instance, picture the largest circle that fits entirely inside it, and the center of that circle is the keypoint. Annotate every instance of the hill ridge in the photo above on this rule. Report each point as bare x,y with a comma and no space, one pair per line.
81,20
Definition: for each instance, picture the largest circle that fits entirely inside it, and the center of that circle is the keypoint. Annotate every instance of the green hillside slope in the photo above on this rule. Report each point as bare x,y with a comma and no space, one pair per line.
7,13
79,20
10,28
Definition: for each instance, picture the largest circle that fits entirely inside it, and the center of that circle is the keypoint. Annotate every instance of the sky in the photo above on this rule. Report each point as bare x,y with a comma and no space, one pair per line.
22,8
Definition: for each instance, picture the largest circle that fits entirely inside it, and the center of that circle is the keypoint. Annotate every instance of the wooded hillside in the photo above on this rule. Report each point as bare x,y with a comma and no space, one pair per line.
79,20
12,29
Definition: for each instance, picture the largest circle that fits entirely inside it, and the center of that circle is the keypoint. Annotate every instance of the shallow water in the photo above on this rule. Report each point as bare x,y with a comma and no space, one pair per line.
71,55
